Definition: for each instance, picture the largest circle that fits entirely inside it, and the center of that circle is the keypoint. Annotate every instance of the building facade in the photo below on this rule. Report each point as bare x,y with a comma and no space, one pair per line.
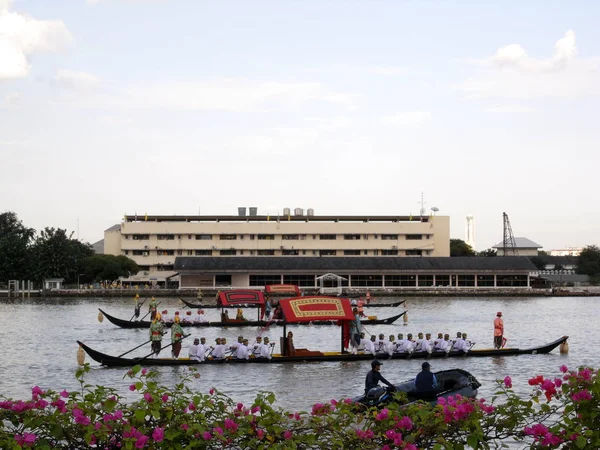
524,247
154,242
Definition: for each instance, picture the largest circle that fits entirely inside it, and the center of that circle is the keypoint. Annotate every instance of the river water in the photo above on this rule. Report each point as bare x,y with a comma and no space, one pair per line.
38,346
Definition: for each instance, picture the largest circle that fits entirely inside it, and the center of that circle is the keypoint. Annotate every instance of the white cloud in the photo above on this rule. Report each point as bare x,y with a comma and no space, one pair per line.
234,95
407,118
22,36
76,80
12,99
510,109
388,70
512,73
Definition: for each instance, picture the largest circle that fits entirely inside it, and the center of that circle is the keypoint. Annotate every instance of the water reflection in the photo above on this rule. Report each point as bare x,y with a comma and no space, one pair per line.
38,337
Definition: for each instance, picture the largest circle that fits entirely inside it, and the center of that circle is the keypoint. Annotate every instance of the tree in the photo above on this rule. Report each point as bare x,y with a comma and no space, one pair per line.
588,262
488,252
15,254
108,267
57,255
538,262
458,247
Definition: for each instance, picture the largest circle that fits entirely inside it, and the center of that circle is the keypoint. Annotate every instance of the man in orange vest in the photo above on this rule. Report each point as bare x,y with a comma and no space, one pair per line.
498,330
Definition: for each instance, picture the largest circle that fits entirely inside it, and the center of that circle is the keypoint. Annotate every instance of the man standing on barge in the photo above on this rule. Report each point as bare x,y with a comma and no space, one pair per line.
498,330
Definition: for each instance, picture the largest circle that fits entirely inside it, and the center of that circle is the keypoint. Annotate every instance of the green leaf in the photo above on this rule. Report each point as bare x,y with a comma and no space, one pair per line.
581,442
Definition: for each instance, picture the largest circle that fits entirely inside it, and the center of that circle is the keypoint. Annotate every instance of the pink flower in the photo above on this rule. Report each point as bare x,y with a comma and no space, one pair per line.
240,406
158,434
231,425
212,391
334,402
287,434
507,382
141,442
557,382
386,447
25,440
405,423
192,407
581,395
255,409
206,436
218,430
64,394
164,398
185,426
118,415
132,387
564,369
35,391
383,414
347,401
536,380
144,371
148,397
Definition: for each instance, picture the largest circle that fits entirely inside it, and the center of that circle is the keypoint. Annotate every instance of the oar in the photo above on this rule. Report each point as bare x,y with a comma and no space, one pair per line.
135,348
137,310
162,348
149,312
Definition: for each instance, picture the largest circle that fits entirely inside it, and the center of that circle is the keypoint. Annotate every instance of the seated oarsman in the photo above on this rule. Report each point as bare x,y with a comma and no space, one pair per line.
165,316
239,342
381,346
409,344
199,318
419,342
201,350
219,351
442,345
467,344
459,343
391,345
440,338
176,315
363,342
370,345
266,348
188,317
399,343
193,349
256,347
241,351
428,343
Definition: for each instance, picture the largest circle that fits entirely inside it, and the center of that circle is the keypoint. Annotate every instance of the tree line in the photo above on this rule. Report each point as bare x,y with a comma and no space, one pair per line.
53,253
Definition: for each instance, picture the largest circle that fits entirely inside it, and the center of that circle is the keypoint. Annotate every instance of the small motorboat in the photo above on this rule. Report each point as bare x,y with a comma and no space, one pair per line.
451,382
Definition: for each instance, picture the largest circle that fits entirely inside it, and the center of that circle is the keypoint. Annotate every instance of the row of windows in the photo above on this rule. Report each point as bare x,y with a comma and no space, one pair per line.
271,252
285,237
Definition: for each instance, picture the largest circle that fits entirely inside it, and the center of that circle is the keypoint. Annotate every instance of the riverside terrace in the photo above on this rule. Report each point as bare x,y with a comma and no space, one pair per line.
351,273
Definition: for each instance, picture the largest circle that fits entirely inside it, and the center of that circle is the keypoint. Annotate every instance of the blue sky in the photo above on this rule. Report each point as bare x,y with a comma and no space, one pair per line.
110,107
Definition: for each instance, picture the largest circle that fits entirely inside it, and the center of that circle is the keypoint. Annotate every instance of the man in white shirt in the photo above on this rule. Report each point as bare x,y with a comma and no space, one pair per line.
265,348
459,343
370,345
467,344
381,345
400,343
419,343
363,343
188,317
440,338
193,349
201,350
391,346
199,318
165,316
427,343
242,350
409,344
220,349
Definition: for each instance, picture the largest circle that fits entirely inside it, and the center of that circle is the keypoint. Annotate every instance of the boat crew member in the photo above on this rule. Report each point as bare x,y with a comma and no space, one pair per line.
266,348
176,337
200,317
242,350
419,342
278,313
368,297
361,307
218,351
391,346
459,343
374,377
363,342
400,343
199,296
268,307
152,308
426,382
467,344
381,344
409,344
156,334
257,346
370,346
498,330
441,345
188,317
201,350
428,343
164,314
193,349
355,332
240,314
136,311
440,338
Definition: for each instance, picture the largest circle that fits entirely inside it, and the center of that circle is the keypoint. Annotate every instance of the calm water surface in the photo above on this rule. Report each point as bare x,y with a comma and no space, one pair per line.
38,346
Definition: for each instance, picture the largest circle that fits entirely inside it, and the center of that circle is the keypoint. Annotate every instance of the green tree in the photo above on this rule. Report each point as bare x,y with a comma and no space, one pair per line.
108,267
15,252
538,262
588,262
57,255
458,247
488,252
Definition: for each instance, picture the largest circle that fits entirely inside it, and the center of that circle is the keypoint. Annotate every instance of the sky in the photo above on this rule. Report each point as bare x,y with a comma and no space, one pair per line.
113,107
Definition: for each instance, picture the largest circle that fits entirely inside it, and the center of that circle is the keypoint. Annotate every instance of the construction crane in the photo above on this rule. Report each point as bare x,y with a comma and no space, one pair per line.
509,246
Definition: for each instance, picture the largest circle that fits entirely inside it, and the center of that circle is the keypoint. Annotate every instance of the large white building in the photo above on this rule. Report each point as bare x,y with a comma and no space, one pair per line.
154,242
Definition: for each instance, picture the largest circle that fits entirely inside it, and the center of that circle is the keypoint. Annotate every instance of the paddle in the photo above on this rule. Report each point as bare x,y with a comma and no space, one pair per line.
135,348
149,312
137,310
162,348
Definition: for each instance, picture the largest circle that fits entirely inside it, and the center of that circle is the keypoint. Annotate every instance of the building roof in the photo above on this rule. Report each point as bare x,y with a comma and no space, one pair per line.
227,264
98,247
520,242
114,228
274,217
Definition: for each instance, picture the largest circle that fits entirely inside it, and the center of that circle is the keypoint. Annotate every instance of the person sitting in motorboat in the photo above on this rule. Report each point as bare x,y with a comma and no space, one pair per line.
426,382
374,377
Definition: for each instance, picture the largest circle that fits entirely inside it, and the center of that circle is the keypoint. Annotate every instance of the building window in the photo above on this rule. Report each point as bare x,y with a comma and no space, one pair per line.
222,280
140,237
163,267
399,280
290,237
352,237
327,252
485,280
265,252
376,252
367,280
180,252
466,280
165,252
126,236
414,237
442,280
327,237
204,237
389,237
137,252
351,252
366,252
144,268
425,280
290,252
511,280
263,280
414,252
166,237
203,252
228,237
300,280
252,236
189,252
266,237
389,252
229,252
126,252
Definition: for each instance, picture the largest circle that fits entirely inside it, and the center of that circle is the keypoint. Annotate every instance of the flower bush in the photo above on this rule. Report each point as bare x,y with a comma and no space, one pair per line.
561,412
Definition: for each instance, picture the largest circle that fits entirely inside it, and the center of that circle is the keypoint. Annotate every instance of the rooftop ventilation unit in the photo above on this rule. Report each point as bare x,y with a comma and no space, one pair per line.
310,212
298,212
253,211
286,211
241,211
